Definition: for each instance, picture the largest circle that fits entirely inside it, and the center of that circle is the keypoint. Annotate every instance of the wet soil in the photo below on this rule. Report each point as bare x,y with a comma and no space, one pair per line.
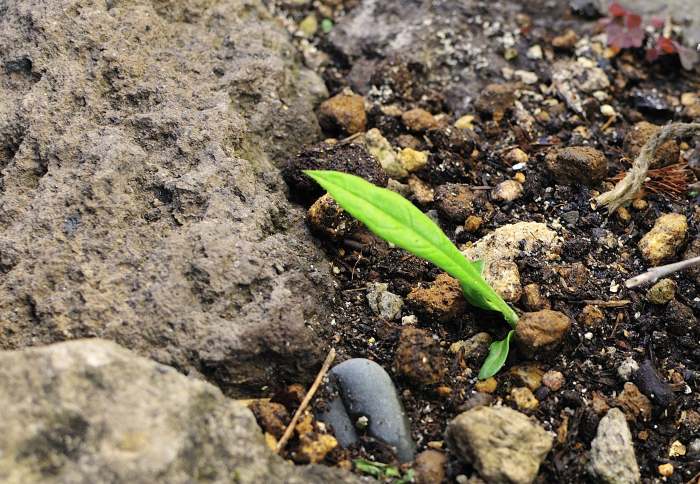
599,253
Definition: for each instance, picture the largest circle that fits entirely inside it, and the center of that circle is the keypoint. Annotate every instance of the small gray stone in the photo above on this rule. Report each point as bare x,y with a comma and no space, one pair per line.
694,448
362,388
384,303
504,445
612,452
627,368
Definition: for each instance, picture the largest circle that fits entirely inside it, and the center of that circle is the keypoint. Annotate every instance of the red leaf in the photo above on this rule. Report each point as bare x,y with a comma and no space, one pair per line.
666,45
657,22
652,54
633,21
617,10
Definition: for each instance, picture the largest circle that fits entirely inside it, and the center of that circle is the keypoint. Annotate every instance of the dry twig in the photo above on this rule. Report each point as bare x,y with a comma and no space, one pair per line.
655,273
307,399
626,190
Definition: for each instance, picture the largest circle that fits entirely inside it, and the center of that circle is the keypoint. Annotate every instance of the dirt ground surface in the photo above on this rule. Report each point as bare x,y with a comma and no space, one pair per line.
505,88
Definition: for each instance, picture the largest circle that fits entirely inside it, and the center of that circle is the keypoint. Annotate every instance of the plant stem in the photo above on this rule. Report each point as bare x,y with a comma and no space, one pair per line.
655,273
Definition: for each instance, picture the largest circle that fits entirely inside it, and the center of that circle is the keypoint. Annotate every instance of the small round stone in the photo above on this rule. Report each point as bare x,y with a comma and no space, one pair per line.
666,470
553,380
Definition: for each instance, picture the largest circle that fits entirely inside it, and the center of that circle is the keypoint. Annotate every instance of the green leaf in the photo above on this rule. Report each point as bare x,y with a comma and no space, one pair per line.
398,221
498,352
375,469
326,25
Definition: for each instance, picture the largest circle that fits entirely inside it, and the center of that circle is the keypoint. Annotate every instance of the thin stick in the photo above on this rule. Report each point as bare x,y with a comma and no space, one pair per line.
307,399
627,188
655,273
617,303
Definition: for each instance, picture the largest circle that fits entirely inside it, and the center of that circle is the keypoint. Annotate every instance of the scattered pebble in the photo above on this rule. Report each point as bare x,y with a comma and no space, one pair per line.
496,100
418,357
524,398
419,120
634,403
344,112
565,41
541,331
526,77
465,122
534,52
577,164
532,298
456,201
429,467
382,150
504,278
326,217
272,417
442,300
413,160
553,380
662,292
473,223
422,192
309,25
474,349
663,241
516,156
591,316
612,451
384,303
665,470
486,386
627,368
514,457
607,110
362,387
677,449
528,374
507,191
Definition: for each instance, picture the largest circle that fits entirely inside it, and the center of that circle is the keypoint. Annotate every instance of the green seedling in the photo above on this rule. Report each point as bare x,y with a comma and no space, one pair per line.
398,221
383,471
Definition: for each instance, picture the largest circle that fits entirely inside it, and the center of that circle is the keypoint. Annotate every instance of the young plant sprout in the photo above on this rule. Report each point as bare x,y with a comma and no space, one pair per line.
398,221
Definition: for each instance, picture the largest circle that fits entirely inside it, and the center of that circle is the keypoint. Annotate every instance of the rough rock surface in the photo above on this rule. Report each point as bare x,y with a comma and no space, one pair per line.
504,445
612,452
445,38
90,411
138,202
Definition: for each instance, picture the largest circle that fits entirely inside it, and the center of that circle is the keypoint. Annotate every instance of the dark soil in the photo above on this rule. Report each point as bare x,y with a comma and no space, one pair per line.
599,253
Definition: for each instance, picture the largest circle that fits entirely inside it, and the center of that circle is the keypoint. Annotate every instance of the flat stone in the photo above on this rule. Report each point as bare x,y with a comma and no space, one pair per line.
362,388
100,413
513,457
612,451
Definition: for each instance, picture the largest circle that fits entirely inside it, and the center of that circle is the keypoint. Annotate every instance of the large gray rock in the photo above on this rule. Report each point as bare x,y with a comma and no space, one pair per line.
90,411
612,451
454,43
504,445
138,199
